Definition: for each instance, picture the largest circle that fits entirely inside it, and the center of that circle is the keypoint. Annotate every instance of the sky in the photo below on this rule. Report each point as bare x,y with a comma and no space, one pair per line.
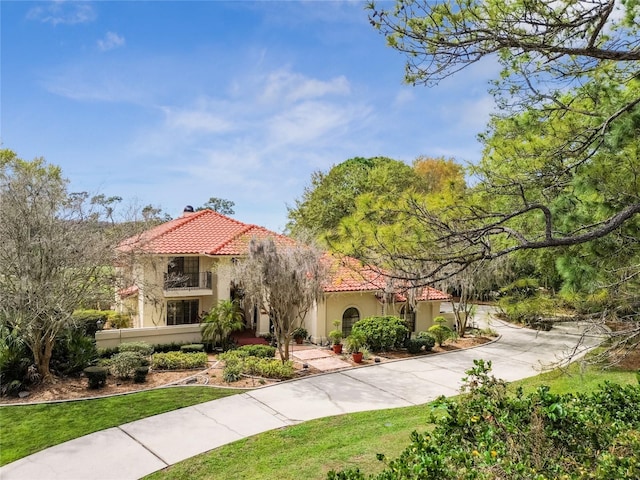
171,103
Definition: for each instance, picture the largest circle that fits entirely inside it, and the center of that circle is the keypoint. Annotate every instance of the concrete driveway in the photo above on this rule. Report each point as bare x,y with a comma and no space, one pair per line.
136,449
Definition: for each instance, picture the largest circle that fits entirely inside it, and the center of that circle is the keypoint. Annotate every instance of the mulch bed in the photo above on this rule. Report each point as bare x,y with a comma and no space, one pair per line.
75,388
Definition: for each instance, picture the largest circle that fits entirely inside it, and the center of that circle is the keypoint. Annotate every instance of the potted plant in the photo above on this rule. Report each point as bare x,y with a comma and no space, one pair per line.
336,337
355,342
299,334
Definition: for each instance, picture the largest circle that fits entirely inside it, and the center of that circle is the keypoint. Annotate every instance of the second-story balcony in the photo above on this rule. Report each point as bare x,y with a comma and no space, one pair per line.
187,281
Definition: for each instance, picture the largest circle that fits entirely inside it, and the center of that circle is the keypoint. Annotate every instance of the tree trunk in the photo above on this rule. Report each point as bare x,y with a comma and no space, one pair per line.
42,357
287,342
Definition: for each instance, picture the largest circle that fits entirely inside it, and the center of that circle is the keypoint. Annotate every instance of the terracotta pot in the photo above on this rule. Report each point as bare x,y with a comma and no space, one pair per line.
357,357
337,348
299,340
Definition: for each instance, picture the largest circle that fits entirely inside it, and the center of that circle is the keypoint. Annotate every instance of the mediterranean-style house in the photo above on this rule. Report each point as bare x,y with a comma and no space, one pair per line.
181,269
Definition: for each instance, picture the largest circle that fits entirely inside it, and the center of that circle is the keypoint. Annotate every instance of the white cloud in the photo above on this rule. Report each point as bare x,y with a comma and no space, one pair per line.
284,86
62,12
92,83
110,41
196,121
403,97
311,121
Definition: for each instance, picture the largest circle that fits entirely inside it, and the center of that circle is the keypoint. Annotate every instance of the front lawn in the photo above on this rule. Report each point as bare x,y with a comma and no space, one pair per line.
311,449
27,429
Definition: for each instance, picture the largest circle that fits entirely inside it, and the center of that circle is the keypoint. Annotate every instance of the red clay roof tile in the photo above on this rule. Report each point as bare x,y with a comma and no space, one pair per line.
209,233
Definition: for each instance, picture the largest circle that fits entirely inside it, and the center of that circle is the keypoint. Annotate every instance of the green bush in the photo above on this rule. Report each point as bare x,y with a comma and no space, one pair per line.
382,333
192,347
15,363
143,348
140,375
232,372
97,376
167,347
257,360
73,351
87,320
107,352
118,320
416,345
441,333
527,310
262,351
179,360
488,433
123,365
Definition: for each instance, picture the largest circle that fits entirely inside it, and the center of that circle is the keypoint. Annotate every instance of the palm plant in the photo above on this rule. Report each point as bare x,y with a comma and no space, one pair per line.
218,325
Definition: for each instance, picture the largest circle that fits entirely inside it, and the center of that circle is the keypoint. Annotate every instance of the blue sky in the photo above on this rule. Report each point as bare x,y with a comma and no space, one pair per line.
170,103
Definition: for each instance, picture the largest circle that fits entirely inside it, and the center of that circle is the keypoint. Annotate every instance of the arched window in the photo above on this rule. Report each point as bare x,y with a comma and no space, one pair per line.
350,316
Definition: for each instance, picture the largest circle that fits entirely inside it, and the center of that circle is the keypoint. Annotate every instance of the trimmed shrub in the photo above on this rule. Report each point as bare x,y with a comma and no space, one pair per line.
257,360
97,376
140,375
179,360
143,348
123,365
262,351
382,333
268,368
118,320
441,333
107,352
416,345
192,347
87,320
271,368
167,347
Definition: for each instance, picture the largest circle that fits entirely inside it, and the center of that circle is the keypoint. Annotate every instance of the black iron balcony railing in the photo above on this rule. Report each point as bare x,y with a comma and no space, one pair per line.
187,281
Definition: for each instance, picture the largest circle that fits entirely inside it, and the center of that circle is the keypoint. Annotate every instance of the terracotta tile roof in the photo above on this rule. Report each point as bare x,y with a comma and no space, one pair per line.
205,232
348,275
209,233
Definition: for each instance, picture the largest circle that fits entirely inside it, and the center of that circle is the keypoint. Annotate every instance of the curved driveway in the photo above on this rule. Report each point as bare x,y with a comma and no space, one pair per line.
144,446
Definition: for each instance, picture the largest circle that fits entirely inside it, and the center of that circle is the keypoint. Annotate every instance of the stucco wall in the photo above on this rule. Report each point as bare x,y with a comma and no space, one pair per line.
153,336
152,306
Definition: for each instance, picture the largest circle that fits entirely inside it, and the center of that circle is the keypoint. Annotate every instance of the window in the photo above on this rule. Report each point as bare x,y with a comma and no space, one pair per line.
183,272
180,312
349,317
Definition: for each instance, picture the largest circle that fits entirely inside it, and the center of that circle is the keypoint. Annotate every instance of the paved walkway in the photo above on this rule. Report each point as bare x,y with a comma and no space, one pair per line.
144,446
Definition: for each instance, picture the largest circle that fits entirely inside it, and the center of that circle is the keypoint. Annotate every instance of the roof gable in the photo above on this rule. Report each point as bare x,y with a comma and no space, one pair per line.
210,233
204,232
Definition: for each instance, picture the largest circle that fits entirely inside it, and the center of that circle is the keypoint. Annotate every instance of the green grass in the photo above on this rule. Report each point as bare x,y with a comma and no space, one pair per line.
27,429
576,378
311,449
308,450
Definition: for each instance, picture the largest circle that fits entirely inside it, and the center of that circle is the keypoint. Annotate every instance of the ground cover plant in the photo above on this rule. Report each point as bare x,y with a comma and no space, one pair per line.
311,449
490,434
27,429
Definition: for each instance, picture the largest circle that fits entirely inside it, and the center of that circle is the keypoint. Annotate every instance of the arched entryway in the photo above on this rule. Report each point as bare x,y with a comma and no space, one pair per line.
350,316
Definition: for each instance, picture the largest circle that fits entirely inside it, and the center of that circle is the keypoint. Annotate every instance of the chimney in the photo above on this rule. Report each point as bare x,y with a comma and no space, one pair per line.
188,210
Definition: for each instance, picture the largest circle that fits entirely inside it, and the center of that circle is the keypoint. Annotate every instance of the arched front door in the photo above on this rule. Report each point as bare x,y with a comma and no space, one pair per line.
350,316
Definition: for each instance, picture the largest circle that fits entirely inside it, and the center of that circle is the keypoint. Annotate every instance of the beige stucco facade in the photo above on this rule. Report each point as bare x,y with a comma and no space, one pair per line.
149,306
